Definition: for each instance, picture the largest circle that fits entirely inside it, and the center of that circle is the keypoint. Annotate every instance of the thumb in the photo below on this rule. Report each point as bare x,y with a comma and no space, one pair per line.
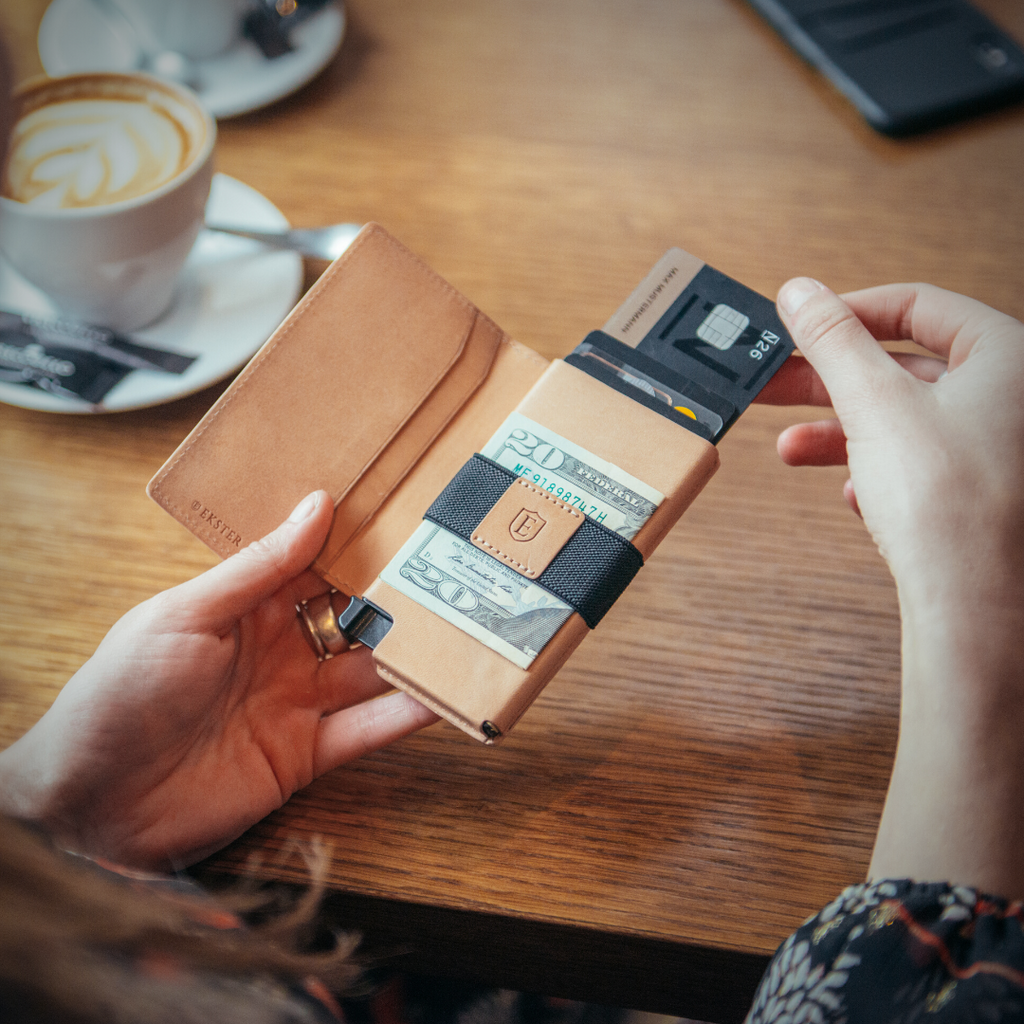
225,593
849,361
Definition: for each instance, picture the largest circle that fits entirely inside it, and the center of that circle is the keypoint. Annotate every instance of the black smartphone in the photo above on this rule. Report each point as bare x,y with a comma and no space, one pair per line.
907,65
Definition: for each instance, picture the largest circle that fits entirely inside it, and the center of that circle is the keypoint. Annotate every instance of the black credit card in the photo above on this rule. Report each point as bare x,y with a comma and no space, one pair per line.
690,343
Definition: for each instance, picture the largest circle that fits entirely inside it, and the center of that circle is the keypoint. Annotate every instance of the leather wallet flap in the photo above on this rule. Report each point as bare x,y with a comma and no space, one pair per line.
353,386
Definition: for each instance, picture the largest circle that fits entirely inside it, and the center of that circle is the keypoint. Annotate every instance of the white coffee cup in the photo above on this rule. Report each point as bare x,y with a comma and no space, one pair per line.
196,28
104,191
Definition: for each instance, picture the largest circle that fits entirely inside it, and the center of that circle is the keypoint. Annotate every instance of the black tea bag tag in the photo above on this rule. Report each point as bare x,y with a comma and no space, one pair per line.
68,372
75,360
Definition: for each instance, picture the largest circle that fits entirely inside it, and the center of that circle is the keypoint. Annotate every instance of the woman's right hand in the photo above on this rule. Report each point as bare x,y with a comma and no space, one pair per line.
936,458
935,447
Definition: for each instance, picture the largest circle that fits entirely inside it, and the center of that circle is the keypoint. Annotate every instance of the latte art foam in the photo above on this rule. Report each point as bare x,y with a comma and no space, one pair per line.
93,151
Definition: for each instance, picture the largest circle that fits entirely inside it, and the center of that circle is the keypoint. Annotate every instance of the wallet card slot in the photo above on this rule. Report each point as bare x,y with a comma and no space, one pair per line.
380,478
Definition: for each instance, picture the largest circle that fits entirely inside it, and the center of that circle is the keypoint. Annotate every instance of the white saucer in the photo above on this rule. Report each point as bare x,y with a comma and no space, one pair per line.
231,297
74,36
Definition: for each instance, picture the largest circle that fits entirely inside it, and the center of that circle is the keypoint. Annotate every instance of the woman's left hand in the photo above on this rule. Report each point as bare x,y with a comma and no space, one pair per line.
202,710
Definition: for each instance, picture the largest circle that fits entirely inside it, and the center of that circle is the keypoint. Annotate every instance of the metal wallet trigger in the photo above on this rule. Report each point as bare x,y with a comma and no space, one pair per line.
331,633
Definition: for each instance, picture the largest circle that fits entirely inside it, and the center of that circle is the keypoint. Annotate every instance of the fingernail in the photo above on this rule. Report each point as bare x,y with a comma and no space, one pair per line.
796,292
304,509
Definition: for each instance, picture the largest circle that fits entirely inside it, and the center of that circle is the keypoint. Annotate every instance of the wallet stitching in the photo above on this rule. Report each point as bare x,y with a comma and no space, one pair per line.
498,553
297,315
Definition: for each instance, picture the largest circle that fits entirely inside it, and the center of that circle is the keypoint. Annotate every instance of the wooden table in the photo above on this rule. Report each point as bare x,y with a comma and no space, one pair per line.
710,766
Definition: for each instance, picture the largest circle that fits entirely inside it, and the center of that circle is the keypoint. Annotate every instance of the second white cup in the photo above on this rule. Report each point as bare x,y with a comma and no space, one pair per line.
196,28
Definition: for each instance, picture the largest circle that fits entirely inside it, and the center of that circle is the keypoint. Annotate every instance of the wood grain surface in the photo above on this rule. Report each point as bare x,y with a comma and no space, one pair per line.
710,766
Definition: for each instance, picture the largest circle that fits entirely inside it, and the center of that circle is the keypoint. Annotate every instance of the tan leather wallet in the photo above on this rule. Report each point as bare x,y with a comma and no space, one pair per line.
380,387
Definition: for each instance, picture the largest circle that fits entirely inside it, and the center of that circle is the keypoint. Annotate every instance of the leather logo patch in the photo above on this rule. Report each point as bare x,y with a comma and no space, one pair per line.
527,525
526,528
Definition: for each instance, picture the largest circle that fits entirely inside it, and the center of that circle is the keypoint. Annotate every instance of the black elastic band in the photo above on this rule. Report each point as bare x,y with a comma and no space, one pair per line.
588,574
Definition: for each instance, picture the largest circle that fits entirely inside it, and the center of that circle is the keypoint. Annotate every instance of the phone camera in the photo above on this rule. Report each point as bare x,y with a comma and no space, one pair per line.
991,55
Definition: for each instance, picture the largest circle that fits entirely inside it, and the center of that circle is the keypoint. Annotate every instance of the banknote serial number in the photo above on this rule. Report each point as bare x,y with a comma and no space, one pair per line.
559,490
764,345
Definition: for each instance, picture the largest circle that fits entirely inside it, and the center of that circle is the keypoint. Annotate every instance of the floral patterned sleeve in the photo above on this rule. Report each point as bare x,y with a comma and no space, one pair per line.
900,952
